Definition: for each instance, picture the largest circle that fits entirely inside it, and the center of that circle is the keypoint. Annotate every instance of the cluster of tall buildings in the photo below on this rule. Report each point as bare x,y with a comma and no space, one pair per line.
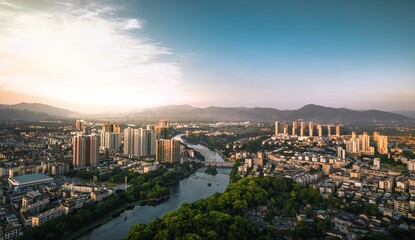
301,129
140,142
80,125
110,137
137,142
361,144
163,129
382,142
356,144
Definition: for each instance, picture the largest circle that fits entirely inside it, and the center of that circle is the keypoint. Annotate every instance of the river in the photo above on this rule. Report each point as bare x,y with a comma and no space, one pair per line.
210,156
188,190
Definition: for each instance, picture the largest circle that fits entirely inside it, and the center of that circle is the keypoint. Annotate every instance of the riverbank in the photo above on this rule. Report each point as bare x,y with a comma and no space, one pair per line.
101,221
150,187
214,149
188,190
196,185
126,206
194,145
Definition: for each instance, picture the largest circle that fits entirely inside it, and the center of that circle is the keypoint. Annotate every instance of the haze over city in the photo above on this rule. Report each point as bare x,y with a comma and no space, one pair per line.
219,119
86,55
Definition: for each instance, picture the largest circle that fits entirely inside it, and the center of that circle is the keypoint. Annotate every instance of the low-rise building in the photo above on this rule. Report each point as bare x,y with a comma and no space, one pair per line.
78,188
28,182
99,195
36,207
401,204
11,231
46,216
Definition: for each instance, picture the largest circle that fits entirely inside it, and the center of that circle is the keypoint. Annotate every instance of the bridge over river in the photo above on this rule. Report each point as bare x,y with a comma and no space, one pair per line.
218,164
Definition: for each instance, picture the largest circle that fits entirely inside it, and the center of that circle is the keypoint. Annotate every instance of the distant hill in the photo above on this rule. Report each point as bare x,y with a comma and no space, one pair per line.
327,114
7,114
309,112
169,109
39,108
316,113
407,113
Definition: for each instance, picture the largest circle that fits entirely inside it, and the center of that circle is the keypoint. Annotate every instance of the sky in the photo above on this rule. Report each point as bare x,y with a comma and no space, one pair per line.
97,56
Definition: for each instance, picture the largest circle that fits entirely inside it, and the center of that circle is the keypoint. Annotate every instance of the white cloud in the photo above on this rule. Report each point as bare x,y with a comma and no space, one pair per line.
10,5
132,24
83,54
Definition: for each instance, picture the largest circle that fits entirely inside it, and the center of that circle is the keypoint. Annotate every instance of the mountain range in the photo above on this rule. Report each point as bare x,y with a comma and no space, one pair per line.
310,112
32,112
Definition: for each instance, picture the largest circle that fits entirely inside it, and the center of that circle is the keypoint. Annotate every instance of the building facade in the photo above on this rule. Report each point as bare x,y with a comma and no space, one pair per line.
168,150
85,151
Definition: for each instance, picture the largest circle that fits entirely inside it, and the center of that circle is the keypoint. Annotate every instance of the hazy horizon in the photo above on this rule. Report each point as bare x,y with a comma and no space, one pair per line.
133,109
101,55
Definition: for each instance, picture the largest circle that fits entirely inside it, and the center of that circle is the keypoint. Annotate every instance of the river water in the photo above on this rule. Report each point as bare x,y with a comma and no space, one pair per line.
210,156
188,190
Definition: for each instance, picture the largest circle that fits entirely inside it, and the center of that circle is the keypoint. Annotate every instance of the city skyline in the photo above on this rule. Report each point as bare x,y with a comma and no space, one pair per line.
121,55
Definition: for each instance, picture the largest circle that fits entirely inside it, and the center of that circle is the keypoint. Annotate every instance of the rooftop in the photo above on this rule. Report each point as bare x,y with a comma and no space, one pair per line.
30,178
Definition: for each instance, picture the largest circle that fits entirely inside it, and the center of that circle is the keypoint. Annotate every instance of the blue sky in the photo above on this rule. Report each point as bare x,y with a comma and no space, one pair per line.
283,54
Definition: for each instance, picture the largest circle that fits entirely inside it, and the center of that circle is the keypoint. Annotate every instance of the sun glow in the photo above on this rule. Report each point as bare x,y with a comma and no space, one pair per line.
81,54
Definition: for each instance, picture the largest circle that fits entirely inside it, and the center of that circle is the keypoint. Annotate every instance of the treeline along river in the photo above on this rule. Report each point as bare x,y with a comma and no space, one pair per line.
187,190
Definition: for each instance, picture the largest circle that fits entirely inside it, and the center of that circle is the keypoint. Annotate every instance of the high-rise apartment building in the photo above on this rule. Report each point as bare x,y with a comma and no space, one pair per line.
277,126
376,136
364,142
128,141
285,128
310,129
80,125
302,127
85,151
110,141
383,144
338,130
150,127
151,142
163,130
294,129
163,123
168,150
139,142
111,127
319,130
329,130
341,153
110,136
360,144
353,145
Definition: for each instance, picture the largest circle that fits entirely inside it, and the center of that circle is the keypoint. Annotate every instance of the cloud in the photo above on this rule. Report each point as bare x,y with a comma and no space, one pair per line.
81,52
9,5
132,24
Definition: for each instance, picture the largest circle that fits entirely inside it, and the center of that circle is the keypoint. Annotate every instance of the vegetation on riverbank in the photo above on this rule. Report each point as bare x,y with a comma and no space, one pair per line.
234,176
211,171
150,188
224,216
230,133
233,214
198,155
